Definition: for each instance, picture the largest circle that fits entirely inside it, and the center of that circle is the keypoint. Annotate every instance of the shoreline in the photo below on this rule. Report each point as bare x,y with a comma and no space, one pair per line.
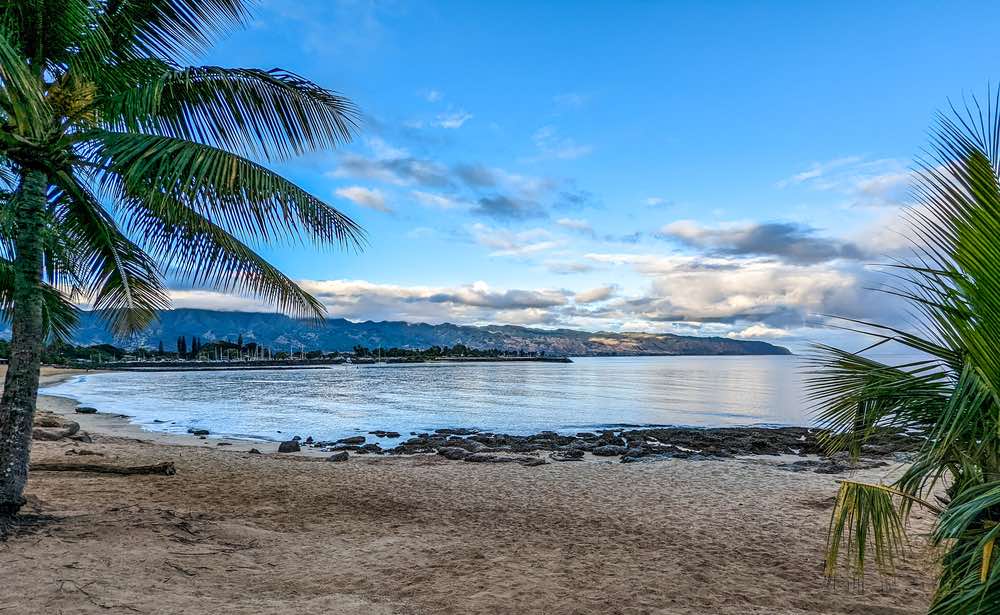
421,534
793,448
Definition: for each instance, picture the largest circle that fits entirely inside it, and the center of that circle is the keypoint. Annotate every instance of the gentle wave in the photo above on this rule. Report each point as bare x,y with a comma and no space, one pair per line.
516,398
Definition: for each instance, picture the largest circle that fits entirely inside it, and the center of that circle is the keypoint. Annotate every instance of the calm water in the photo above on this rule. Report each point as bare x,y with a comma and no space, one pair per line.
512,398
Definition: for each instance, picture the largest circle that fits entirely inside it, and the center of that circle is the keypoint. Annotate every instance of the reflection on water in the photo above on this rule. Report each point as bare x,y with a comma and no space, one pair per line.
512,398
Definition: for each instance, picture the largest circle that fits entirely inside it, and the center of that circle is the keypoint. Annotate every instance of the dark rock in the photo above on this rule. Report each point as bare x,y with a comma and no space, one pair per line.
345,447
372,448
532,462
586,435
290,446
309,440
341,456
480,458
224,444
609,450
82,437
254,451
197,432
352,440
296,438
86,410
453,452
158,421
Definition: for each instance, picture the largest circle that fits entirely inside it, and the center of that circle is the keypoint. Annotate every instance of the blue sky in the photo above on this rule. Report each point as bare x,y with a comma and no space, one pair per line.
725,169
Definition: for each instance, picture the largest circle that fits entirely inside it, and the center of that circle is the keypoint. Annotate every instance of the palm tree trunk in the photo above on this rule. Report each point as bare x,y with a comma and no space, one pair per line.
17,407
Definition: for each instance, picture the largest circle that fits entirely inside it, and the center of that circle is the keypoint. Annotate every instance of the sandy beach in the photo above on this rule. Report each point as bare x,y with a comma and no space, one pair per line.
243,533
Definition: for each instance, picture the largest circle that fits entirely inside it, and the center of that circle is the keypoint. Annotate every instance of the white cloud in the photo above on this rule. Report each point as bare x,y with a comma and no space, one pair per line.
866,183
595,295
757,331
432,95
453,119
552,145
434,200
576,224
372,198
654,201
505,242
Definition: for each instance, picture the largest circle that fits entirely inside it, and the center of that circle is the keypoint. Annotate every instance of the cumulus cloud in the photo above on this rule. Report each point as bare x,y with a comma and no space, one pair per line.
866,183
791,242
506,208
504,242
372,198
595,295
757,331
743,290
577,224
434,200
563,267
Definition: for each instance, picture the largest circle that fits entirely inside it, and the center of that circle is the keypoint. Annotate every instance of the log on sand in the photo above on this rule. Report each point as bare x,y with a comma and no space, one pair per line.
166,468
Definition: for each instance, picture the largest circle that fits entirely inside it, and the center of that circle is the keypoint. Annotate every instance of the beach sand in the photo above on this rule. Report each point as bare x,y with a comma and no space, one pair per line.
233,532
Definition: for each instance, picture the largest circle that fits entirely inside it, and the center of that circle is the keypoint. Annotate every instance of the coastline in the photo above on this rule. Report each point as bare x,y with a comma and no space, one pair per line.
415,534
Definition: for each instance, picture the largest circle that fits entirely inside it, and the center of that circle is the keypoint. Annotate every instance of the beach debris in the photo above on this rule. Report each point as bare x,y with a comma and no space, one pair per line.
531,462
86,410
165,468
83,451
289,446
341,456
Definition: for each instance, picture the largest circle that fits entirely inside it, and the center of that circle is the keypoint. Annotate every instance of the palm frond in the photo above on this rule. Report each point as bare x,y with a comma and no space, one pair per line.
264,114
240,196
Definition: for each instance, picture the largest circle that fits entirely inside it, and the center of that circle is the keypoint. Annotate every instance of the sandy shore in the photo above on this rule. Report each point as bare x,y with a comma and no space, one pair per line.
239,533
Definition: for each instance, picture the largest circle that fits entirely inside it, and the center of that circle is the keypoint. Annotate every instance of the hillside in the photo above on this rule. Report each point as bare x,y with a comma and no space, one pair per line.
279,331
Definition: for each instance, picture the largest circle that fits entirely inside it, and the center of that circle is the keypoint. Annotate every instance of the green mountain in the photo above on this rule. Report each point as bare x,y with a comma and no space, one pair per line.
336,334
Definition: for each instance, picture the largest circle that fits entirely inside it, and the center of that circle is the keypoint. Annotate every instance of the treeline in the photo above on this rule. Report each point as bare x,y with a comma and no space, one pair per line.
458,350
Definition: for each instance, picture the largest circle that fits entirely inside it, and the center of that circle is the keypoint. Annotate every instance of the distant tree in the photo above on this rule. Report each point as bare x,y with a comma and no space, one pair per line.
160,349
182,347
239,342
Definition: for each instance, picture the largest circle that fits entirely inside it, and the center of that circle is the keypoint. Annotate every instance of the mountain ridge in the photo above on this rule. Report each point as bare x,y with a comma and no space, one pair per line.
339,334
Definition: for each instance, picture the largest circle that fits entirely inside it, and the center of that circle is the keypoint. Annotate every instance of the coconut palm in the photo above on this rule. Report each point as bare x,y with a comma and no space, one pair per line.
120,165
949,393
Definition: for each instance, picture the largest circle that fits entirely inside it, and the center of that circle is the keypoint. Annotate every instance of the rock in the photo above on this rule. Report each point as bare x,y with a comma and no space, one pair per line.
82,437
453,452
86,410
385,434
352,440
289,446
372,448
530,463
224,444
197,432
48,420
309,440
296,438
254,451
480,458
609,450
159,421
341,456
70,428
567,455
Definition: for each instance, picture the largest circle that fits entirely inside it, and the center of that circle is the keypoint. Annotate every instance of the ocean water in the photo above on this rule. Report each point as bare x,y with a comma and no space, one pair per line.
516,398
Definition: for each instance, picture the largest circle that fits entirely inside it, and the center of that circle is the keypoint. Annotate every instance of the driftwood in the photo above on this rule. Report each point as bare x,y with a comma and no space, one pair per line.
165,468
69,429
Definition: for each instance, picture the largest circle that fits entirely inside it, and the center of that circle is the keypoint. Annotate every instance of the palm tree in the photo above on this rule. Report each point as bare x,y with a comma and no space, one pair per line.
120,165
948,393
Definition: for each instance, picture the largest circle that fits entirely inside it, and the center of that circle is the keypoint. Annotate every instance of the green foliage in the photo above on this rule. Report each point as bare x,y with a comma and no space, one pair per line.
950,395
147,158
